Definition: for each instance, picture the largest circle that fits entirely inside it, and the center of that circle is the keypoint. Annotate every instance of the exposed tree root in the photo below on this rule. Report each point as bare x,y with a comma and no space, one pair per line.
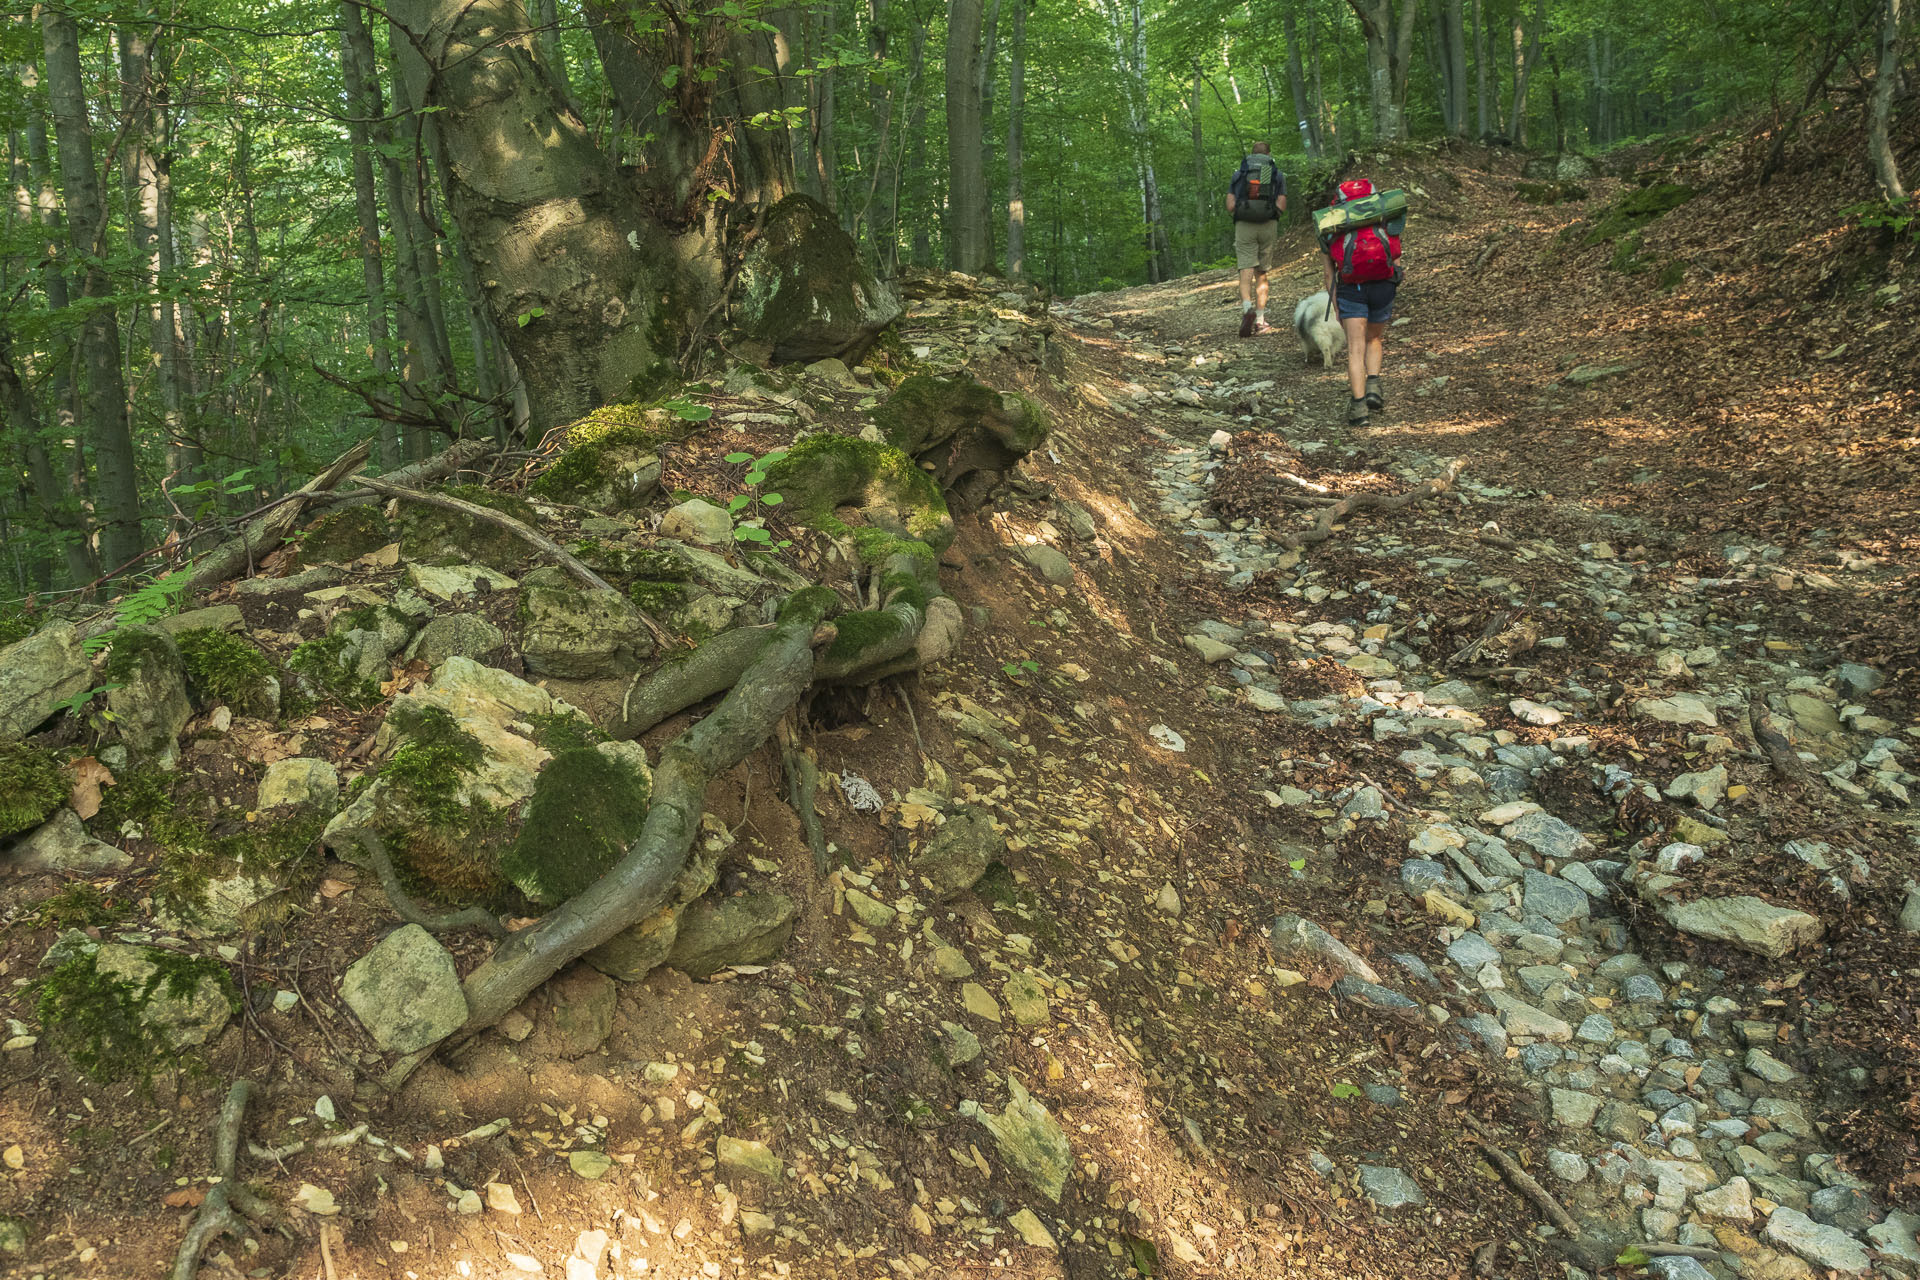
1525,1183
1781,756
1357,502
714,667
407,909
803,778
227,1200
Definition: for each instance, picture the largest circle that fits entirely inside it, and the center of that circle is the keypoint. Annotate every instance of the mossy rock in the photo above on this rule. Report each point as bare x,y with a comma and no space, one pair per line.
1626,257
611,460
1637,208
440,844
349,666
226,669
32,786
1548,193
345,535
122,1011
804,290
969,433
588,805
717,932
576,633
432,534
824,471
149,706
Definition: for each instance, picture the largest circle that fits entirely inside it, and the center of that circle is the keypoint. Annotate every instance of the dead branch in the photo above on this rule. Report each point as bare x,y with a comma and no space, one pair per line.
531,536
1524,1182
217,1214
407,909
1357,502
1774,741
265,532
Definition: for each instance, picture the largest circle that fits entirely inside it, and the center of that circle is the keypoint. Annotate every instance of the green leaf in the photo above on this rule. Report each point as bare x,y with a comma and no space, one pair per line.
693,412
737,458
772,499
1632,1256
1298,864
755,477
738,502
1345,1090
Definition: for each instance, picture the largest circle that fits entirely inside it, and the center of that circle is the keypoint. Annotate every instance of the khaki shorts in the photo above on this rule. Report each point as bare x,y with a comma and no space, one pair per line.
1253,244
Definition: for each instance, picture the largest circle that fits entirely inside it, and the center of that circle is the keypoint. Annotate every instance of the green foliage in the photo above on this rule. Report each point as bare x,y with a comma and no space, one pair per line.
825,470
223,667
32,786
324,663
1345,1089
79,906
1897,217
15,625
752,528
148,603
587,807
97,1018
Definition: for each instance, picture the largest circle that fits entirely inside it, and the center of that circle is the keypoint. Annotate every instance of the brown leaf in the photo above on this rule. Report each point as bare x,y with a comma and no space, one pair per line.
89,775
184,1198
334,888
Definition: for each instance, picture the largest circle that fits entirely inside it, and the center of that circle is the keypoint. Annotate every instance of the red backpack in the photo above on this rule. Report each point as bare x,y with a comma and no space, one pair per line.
1369,253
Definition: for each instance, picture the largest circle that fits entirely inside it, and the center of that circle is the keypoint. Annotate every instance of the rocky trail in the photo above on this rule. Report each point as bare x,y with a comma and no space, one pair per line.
1515,882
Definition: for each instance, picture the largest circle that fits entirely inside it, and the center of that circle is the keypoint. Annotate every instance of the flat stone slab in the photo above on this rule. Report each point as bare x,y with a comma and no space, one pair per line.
1390,1188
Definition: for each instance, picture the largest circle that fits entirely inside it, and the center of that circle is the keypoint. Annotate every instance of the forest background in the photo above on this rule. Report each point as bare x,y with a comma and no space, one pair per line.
243,235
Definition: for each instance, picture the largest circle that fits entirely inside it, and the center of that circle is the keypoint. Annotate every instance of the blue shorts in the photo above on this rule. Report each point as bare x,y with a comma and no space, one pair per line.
1372,301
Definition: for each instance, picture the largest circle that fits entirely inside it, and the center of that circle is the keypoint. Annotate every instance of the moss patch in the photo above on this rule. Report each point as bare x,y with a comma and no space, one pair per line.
326,662
346,535
144,804
447,849
131,649
597,446
98,1019
435,533
1548,192
225,668
32,786
1637,208
824,471
586,809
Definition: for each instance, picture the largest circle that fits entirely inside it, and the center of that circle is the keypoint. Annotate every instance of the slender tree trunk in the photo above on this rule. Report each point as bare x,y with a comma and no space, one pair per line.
1402,61
879,213
117,485
1456,56
1198,240
1879,148
826,158
428,359
921,208
1306,120
357,65
966,236
1327,135
1016,145
1526,52
1483,120
551,53
989,57
1389,55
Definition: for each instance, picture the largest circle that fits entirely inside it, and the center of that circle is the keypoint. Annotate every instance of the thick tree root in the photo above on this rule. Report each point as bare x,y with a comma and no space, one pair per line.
803,778
226,1200
714,667
641,880
407,909
1356,502
1527,1185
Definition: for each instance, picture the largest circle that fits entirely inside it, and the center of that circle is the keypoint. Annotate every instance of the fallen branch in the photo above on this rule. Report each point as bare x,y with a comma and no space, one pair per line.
328,1143
527,534
217,1212
1524,1182
407,909
1357,502
1773,740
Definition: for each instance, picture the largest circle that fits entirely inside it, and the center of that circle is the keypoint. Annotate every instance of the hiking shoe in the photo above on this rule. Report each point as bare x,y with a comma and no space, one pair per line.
1374,399
1357,413
1246,323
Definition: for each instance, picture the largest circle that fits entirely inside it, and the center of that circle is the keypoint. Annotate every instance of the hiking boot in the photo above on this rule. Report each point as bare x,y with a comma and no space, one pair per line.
1374,399
1357,413
1261,326
1246,323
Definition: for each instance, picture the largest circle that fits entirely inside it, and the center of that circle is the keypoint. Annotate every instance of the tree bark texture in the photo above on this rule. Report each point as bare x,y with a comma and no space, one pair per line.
1455,52
1016,145
117,486
356,66
1526,52
989,56
1483,118
966,233
1886,167
1306,119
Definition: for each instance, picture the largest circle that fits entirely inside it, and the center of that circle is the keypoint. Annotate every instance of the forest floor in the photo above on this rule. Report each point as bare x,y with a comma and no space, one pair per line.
1731,486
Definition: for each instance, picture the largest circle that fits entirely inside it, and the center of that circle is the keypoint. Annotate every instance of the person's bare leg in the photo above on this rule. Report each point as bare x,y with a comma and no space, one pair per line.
1376,347
1246,285
1260,293
1358,353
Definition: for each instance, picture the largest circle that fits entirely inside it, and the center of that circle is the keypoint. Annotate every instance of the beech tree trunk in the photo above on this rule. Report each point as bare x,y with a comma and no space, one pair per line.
117,485
1455,51
989,57
1483,117
1526,52
966,229
1389,45
592,294
1016,145
1885,167
1306,120
356,66
921,207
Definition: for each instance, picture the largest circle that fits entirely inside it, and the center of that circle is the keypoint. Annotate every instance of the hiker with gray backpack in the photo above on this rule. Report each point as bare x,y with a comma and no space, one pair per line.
1360,235
1256,198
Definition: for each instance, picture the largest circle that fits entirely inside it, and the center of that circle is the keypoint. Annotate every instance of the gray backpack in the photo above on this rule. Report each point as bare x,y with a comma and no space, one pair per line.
1261,203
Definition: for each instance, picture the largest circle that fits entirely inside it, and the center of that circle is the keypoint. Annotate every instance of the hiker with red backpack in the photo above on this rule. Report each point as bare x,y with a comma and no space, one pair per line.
1360,235
1256,198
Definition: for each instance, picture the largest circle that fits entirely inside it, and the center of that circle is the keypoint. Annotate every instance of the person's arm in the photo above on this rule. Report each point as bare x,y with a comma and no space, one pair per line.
1233,185
1326,272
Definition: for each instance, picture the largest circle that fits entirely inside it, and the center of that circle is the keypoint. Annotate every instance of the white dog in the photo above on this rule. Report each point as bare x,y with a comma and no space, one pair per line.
1318,331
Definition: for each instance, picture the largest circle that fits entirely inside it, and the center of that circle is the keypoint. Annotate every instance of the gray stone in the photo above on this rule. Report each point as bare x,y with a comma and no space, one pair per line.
1620,1121
1596,1028
1522,1019
697,520
1455,693
1292,936
1910,910
1568,1166
1209,649
1787,1116
745,929
301,780
219,617
1642,988
1573,1109
1390,1188
1819,1244
638,950
1733,1202
580,1005
1029,1139
804,291
960,850
1898,1237
1814,715
959,1045
1371,994
1554,899
580,635
1857,679
1680,708
462,635
1472,952
1769,1068
150,707
1048,563
405,991
1547,836
1581,876
62,845
39,673
187,1018
1678,1269
445,582
1749,923
739,1155
1841,1207
314,579
1706,788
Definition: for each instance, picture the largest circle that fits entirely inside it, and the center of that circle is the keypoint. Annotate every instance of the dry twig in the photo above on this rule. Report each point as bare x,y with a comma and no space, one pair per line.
1357,502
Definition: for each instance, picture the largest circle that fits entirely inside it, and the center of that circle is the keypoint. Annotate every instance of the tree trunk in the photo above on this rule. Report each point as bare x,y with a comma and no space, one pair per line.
825,152
1456,56
878,213
966,233
357,67
1483,119
1016,143
551,53
989,56
1526,52
921,209
1323,124
1403,62
1198,240
1306,121
1389,54
117,485
1879,149
591,294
